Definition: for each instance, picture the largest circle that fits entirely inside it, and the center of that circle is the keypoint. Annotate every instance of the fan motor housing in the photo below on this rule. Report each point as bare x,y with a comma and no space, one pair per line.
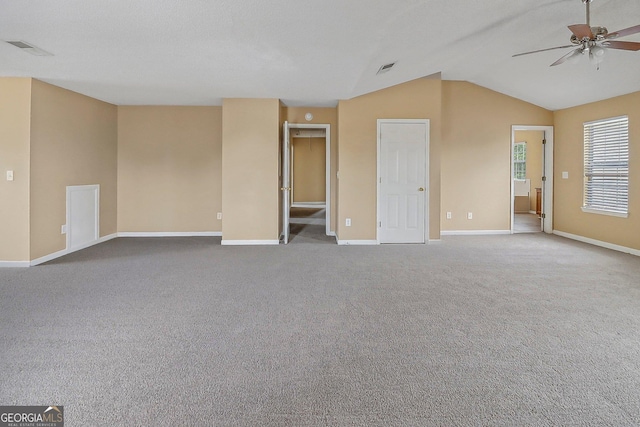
599,33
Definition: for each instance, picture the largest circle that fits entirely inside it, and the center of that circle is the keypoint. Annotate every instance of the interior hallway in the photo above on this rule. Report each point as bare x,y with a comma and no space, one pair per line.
308,225
526,223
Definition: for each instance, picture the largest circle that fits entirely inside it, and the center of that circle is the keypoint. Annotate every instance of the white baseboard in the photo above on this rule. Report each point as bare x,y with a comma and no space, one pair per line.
600,243
14,264
170,234
532,212
249,242
357,242
64,252
472,232
434,241
331,233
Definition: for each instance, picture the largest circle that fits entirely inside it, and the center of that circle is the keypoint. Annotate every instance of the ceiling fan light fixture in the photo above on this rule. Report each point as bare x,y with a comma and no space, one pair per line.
593,41
598,51
596,54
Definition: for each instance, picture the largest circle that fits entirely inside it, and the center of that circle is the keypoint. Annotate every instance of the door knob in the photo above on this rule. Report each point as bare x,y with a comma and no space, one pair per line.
420,189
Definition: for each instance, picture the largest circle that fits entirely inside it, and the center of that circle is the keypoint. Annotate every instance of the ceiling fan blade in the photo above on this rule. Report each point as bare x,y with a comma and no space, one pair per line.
622,33
542,50
622,45
569,55
581,31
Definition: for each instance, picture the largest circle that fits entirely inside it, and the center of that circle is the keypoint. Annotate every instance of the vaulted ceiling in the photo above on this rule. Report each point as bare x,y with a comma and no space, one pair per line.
310,52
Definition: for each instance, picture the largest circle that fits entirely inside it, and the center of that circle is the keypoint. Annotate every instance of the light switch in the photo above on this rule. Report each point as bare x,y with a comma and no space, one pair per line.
565,175
9,175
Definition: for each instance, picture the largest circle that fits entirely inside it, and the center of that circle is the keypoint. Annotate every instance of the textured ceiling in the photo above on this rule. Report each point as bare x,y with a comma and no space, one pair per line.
310,52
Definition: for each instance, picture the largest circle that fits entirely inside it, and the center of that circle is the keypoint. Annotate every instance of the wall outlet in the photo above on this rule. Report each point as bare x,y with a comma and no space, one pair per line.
347,222
9,175
469,215
219,216
448,215
565,175
63,229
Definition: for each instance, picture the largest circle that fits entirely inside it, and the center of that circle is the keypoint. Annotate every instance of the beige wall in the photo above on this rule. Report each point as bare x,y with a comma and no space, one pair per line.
325,116
476,154
569,152
418,99
533,139
309,169
169,169
250,191
15,118
73,142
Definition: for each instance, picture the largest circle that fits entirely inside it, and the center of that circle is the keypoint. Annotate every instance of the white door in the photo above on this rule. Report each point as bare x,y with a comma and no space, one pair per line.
83,220
402,184
286,182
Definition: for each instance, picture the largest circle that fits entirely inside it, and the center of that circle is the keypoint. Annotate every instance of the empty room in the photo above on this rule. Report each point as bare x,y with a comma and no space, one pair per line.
301,213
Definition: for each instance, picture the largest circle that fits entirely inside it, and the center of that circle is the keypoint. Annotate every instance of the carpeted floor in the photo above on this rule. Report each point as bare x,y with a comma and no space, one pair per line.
522,330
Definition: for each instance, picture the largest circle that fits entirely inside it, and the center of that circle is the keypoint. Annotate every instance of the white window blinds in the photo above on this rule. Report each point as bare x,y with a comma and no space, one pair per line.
520,160
606,165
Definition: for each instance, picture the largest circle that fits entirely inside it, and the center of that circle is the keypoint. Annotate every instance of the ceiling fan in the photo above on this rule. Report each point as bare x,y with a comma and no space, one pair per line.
592,41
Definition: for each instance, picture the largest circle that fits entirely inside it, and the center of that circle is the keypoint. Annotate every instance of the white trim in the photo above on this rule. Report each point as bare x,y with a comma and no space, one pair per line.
249,242
547,186
473,232
427,178
357,242
600,243
14,264
435,241
603,212
170,234
64,252
327,174
332,234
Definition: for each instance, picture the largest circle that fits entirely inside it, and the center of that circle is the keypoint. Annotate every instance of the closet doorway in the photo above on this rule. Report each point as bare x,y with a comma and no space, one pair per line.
306,186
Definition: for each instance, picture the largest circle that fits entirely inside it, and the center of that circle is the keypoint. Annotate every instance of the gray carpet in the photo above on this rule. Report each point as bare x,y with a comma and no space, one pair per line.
520,330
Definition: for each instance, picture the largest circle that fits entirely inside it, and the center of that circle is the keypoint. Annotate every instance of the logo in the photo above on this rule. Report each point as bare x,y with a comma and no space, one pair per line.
31,416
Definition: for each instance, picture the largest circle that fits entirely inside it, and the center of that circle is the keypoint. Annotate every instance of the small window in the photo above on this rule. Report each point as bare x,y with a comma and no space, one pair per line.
606,166
520,160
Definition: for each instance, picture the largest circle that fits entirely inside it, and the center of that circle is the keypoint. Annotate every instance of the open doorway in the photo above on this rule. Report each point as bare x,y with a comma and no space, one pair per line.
531,179
307,194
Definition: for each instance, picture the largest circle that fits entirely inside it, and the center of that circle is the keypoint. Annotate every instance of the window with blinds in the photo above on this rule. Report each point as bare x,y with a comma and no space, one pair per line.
606,166
520,160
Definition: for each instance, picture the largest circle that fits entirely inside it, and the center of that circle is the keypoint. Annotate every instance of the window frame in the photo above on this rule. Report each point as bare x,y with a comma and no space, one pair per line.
516,146
611,140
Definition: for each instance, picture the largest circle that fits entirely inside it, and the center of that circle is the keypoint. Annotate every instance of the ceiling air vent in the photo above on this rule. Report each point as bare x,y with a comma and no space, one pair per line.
29,48
385,68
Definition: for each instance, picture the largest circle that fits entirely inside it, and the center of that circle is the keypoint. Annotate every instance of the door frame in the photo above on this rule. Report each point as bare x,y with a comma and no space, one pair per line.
547,185
327,173
427,183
